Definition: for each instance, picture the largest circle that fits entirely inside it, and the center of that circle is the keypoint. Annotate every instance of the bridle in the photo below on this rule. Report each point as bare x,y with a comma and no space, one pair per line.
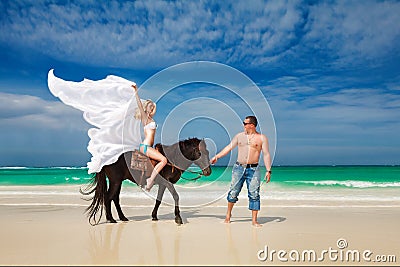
199,174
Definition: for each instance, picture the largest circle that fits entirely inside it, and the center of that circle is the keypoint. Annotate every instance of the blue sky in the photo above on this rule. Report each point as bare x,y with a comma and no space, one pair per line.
328,69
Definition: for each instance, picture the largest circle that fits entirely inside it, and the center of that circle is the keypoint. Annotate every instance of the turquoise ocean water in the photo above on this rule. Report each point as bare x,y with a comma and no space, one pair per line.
291,186
292,176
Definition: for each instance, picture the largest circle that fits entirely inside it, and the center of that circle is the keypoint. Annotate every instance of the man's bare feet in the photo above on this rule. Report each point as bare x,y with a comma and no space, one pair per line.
227,219
256,224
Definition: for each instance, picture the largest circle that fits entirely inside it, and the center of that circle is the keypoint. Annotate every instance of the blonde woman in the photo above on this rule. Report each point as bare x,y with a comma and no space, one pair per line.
145,113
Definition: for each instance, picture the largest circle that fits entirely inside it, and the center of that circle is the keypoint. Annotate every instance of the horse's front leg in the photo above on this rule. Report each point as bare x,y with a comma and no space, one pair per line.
160,194
171,188
178,218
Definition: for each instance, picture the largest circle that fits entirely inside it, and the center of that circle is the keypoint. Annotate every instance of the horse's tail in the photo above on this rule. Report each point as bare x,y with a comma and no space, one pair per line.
98,185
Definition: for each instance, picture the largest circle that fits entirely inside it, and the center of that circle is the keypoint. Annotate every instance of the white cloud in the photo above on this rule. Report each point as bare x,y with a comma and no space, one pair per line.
36,132
366,118
354,32
259,34
145,34
159,33
27,113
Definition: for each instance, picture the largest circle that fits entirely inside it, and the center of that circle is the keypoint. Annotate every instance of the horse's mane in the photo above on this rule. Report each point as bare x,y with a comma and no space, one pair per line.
189,145
189,142
192,141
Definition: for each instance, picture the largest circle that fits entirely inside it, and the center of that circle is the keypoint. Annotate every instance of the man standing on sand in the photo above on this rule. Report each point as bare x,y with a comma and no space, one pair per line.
250,143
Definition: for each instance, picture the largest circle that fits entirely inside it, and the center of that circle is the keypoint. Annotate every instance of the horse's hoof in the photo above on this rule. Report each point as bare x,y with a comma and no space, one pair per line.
112,221
124,219
178,220
154,219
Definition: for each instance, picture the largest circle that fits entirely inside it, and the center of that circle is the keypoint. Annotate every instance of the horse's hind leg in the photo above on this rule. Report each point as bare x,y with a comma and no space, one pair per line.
160,194
107,204
111,193
117,205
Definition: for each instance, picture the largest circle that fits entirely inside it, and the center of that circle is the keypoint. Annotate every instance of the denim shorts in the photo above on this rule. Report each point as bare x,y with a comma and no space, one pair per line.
252,177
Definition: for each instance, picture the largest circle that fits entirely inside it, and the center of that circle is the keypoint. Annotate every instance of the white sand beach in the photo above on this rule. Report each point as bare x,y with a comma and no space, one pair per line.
46,230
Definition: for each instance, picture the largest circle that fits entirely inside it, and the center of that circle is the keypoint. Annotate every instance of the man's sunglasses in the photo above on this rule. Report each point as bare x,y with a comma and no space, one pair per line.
245,123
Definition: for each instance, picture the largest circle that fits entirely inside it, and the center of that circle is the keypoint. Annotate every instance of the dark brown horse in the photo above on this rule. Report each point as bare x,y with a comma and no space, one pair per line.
180,156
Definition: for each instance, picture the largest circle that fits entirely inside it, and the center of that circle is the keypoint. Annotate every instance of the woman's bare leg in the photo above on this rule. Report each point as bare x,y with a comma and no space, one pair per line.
154,154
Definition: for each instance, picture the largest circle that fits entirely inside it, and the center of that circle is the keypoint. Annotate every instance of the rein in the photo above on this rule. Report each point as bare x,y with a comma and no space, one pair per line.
199,174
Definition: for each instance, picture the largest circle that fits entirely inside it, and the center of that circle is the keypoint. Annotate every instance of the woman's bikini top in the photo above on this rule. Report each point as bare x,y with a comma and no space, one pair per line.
150,126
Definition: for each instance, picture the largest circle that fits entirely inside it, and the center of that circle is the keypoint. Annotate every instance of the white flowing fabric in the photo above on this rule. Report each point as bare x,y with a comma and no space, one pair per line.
108,105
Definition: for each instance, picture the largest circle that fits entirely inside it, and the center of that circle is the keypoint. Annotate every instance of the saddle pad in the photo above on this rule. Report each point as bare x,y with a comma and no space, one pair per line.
140,161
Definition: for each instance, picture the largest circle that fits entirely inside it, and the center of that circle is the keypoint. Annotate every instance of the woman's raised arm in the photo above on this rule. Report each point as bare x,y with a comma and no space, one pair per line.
140,106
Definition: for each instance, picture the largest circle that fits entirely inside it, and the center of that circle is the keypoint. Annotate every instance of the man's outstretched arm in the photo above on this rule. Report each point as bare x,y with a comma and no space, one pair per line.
226,150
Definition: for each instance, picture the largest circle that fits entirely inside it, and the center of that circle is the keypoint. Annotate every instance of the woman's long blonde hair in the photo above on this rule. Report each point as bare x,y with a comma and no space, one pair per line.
145,104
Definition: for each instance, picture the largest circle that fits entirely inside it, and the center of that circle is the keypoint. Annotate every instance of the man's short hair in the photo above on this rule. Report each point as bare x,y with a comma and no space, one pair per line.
252,120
